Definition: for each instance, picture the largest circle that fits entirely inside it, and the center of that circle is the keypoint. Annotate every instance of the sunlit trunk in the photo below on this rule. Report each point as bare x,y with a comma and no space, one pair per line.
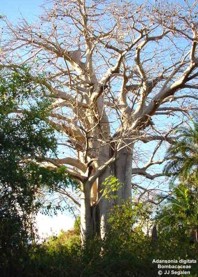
86,217
104,204
122,170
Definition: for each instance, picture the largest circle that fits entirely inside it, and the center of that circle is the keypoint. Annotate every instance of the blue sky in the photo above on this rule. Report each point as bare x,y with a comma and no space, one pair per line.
13,9
30,9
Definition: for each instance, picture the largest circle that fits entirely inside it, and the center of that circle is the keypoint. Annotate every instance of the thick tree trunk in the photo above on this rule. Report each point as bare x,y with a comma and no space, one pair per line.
104,204
86,216
94,215
122,170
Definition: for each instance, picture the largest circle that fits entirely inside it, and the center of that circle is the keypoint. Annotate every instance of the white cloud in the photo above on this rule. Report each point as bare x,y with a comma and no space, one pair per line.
52,225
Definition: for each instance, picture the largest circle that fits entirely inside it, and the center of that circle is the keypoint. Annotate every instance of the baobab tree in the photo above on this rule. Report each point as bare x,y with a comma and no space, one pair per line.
117,73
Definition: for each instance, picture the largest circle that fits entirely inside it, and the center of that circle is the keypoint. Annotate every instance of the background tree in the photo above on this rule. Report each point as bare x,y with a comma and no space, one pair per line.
183,154
115,73
24,139
180,212
178,217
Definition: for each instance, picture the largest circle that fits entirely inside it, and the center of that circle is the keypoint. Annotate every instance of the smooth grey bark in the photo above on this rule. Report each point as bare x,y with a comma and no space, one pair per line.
85,215
104,204
123,172
104,209
83,68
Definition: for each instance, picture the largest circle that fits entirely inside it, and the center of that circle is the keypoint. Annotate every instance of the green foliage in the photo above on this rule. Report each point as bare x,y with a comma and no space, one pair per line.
126,252
180,214
127,249
110,187
25,138
58,256
77,225
183,154
181,211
